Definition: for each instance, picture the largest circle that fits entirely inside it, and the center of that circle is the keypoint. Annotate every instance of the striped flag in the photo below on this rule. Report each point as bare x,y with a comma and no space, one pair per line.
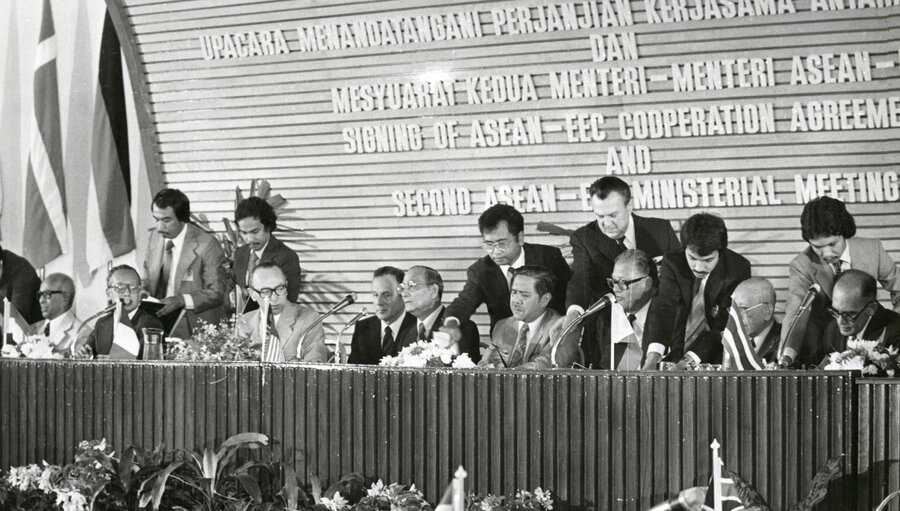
740,353
722,494
45,186
110,232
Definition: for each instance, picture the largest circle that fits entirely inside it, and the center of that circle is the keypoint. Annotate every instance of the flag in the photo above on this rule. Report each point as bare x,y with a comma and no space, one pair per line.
454,498
109,231
739,349
730,499
14,325
45,186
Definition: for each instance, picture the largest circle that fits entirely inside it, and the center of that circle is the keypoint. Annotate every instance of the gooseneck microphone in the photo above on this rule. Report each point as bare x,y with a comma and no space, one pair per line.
810,296
604,301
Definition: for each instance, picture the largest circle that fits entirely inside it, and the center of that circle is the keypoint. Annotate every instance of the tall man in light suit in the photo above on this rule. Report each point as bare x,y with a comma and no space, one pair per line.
184,266
596,245
523,341
833,249
59,326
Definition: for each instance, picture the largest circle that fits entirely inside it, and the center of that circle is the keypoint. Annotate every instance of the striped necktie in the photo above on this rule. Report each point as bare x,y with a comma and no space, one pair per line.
696,322
518,353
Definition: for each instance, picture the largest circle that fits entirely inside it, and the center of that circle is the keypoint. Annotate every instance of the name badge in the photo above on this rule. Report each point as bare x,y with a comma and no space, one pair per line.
188,276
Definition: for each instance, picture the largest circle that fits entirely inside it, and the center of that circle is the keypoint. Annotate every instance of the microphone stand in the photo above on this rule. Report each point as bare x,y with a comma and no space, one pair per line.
322,317
800,312
338,351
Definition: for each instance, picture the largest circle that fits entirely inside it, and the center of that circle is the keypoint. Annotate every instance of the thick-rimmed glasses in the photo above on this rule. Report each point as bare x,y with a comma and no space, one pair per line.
622,284
46,295
848,317
125,288
267,291
490,246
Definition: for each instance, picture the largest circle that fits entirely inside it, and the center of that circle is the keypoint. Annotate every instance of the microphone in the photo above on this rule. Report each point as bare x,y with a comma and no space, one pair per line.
363,313
604,301
347,300
810,296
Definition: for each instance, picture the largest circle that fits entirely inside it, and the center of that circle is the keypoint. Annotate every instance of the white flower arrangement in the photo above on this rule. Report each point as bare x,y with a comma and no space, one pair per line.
34,346
870,357
428,354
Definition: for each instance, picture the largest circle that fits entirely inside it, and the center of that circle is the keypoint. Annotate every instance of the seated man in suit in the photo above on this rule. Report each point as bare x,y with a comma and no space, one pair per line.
376,337
754,300
487,280
833,248
858,315
289,336
19,284
422,290
635,281
184,267
695,288
523,340
255,220
596,245
59,326
123,285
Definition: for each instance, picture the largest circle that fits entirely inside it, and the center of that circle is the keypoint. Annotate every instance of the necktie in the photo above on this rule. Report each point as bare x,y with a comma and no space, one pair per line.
836,268
387,343
47,330
422,336
621,243
519,351
163,285
509,275
272,351
696,322
631,318
251,263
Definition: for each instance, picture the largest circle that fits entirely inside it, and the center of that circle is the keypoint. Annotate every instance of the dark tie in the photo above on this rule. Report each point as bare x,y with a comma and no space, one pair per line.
509,275
621,243
271,349
631,318
519,351
836,268
387,343
163,285
47,330
422,336
696,321
251,263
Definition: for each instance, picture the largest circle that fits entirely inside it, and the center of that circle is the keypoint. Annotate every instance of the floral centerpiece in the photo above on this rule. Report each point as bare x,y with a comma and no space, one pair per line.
428,354
213,343
870,357
35,346
538,500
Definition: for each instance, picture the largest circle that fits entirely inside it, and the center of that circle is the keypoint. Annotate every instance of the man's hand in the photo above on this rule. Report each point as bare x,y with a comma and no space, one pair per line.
83,352
453,331
172,304
652,361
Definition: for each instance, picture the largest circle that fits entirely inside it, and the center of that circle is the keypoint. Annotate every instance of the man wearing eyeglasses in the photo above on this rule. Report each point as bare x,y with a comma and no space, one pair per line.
634,281
858,315
285,333
488,279
123,285
19,284
754,300
60,325
422,290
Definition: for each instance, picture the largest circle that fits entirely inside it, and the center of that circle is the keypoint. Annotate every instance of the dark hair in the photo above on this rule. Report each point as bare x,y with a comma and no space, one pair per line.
492,216
432,277
121,267
65,282
641,261
265,265
608,184
704,233
254,207
868,288
825,216
544,280
397,273
175,199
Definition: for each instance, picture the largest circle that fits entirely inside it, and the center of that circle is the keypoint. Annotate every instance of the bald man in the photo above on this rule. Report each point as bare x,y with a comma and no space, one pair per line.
858,315
754,300
59,326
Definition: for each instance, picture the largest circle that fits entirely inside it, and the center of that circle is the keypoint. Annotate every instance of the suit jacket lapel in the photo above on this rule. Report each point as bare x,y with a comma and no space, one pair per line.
285,324
188,254
538,337
714,283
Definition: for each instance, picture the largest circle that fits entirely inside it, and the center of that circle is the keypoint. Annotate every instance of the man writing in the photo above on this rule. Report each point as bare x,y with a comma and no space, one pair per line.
523,341
279,326
376,337
858,315
184,264
59,326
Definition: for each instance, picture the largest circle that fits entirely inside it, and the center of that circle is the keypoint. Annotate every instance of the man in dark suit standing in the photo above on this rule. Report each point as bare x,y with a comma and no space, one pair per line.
487,280
596,245
376,337
19,284
184,267
634,281
695,288
123,284
858,315
422,290
754,300
255,220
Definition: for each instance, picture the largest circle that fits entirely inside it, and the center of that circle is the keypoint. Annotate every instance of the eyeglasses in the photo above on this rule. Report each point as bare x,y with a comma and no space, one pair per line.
409,286
125,288
267,291
46,295
848,317
748,309
490,246
622,284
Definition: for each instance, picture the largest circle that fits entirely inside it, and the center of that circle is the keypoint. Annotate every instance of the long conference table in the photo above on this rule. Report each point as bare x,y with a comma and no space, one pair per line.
596,439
